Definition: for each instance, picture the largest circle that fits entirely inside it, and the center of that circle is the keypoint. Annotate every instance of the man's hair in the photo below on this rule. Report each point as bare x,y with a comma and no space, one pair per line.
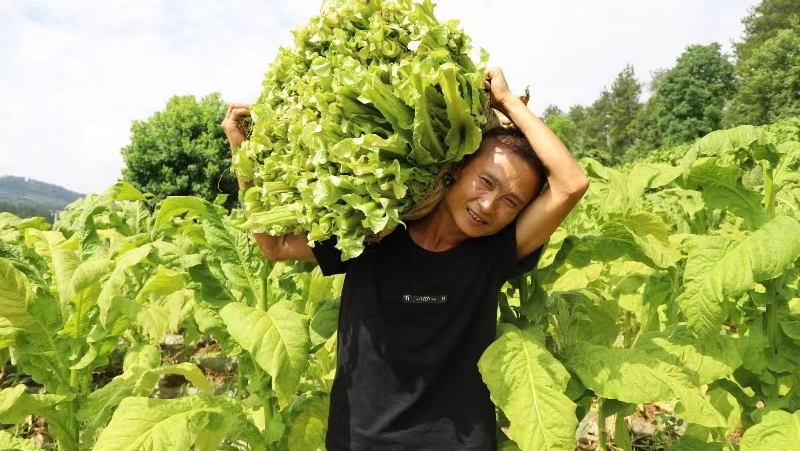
515,141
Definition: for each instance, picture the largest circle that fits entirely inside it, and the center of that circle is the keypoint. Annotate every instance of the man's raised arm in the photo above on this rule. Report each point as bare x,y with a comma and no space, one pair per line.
283,247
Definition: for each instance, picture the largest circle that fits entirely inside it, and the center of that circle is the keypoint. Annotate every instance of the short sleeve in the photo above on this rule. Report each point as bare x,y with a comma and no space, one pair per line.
328,257
525,264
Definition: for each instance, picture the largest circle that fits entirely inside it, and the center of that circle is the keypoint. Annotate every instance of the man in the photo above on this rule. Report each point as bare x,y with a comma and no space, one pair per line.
419,307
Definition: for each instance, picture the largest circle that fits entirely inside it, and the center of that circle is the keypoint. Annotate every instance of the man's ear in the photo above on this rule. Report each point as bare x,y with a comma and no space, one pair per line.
456,169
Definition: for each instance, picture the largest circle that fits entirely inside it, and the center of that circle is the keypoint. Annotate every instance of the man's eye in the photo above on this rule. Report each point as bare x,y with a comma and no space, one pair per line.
485,180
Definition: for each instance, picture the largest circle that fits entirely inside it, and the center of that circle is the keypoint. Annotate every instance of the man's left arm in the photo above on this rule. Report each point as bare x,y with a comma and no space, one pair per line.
566,180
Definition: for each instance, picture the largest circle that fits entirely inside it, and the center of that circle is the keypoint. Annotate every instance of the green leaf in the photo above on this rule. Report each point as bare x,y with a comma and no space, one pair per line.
230,246
324,323
777,430
39,354
16,404
174,424
278,340
307,432
633,376
96,409
10,443
719,269
704,361
726,404
790,319
722,188
528,384
688,443
115,283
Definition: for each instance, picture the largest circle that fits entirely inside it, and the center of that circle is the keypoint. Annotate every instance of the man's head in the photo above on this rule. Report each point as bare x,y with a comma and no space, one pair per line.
494,184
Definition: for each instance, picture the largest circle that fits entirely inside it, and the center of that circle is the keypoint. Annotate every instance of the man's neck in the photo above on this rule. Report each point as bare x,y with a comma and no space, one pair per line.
437,231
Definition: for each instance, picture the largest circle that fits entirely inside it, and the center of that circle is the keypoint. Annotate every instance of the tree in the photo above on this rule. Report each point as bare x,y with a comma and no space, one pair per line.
182,151
769,88
562,125
624,111
764,22
690,98
595,128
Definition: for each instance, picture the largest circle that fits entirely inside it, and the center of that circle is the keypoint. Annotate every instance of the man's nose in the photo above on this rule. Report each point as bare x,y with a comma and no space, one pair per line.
486,203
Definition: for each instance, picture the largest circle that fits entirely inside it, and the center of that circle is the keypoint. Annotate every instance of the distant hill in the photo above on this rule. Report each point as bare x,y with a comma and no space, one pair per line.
27,197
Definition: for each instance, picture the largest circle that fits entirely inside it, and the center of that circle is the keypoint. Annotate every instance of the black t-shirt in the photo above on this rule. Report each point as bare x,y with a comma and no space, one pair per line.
412,325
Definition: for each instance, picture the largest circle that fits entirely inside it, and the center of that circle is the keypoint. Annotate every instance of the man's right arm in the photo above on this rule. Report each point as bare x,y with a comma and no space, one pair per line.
283,247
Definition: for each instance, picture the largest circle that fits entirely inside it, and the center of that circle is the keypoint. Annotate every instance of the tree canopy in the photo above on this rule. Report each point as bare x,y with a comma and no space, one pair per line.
689,99
182,151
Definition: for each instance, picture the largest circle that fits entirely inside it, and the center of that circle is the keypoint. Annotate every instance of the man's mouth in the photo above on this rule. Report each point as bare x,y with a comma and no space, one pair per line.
475,217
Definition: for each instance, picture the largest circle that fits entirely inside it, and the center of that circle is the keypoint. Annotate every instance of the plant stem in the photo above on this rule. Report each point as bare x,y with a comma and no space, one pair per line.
602,433
523,294
773,323
769,191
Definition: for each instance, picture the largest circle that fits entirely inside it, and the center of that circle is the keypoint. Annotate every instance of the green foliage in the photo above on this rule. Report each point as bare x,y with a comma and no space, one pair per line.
182,151
764,22
624,112
113,277
769,89
688,99
669,282
779,430
562,125
355,121
528,384
609,127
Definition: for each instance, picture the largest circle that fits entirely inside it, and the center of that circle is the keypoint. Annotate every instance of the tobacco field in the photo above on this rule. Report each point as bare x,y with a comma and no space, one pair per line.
671,288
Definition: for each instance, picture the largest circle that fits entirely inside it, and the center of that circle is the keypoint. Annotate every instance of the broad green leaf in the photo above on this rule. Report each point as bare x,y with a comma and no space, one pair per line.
727,405
278,340
778,430
307,432
722,188
13,290
633,376
230,246
642,236
720,269
324,323
39,354
173,424
163,283
528,384
44,242
212,290
154,321
142,354
115,283
16,404
136,381
65,261
704,361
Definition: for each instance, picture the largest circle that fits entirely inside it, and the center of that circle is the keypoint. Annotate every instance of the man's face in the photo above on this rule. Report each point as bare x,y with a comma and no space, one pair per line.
491,190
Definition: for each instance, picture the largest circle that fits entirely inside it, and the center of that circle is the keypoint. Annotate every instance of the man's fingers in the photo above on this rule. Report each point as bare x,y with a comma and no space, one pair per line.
239,112
236,106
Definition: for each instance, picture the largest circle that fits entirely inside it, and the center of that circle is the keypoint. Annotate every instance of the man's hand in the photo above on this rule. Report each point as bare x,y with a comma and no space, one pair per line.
499,94
232,124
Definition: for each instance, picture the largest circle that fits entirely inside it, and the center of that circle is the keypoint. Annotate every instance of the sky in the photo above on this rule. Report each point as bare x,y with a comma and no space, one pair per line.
74,74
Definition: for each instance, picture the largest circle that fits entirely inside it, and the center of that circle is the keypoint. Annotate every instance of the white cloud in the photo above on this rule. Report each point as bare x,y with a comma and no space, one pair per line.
74,74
